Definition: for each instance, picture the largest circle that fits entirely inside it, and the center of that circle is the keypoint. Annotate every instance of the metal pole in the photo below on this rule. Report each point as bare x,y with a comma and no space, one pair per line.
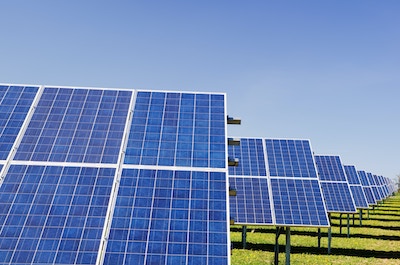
340,223
319,237
276,247
368,214
361,214
329,235
244,231
348,225
353,218
287,245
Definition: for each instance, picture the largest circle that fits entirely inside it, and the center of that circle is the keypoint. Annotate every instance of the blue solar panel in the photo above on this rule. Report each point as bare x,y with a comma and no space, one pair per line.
174,129
336,190
373,186
290,158
367,188
251,205
53,215
250,153
15,102
298,202
356,188
351,174
338,197
76,125
169,217
359,196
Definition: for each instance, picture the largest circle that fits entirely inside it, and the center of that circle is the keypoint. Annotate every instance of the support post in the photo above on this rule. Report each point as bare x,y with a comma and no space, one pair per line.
329,235
353,219
276,247
348,225
368,214
244,234
340,223
319,238
287,245
361,215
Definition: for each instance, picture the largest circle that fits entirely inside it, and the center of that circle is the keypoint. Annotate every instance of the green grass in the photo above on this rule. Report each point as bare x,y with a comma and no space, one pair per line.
377,241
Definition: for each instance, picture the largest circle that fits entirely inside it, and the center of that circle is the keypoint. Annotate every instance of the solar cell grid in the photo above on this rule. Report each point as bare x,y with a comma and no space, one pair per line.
15,102
359,196
177,129
251,205
290,158
298,202
76,125
330,168
53,214
351,174
250,153
166,217
336,189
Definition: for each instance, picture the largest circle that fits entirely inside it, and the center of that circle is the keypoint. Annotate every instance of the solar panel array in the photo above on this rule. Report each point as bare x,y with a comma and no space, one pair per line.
112,176
335,187
356,188
280,176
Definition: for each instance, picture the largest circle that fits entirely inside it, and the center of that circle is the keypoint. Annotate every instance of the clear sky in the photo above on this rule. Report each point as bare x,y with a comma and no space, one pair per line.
328,71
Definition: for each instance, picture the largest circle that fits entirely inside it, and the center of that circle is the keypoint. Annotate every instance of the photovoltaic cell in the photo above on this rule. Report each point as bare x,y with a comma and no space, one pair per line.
178,129
290,158
53,215
356,188
169,217
251,205
250,153
15,102
76,125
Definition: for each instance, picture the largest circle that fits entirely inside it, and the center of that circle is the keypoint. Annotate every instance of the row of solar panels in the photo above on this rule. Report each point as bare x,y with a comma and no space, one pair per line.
280,182
124,176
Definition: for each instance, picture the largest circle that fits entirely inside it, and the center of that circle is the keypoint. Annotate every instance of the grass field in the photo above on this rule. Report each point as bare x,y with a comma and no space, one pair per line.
377,241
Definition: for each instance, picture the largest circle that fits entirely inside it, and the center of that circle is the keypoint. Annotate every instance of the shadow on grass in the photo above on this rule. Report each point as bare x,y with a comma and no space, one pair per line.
323,251
324,234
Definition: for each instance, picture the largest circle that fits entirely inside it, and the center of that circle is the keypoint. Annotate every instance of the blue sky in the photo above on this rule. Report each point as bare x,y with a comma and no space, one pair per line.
327,71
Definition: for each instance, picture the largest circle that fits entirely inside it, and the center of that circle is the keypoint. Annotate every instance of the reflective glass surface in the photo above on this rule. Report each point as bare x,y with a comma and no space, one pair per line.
359,196
53,215
76,125
290,158
15,102
178,129
169,217
251,205
338,197
330,168
298,202
250,153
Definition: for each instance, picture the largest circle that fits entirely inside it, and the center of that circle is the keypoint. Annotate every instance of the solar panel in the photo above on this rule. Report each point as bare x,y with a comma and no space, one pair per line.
77,192
15,102
53,215
288,195
251,205
76,125
357,191
296,193
373,186
367,188
335,187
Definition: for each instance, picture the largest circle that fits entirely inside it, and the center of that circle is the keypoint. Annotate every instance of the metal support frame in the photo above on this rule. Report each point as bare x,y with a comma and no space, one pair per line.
319,237
329,234
276,247
361,215
244,234
287,246
348,225
340,217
